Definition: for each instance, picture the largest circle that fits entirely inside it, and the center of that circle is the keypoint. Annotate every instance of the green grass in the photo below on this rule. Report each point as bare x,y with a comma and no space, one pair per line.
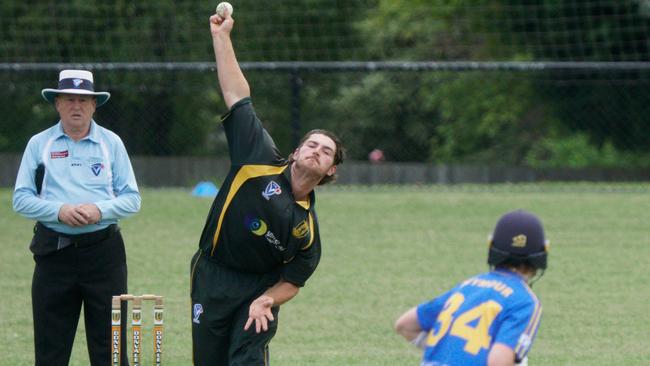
384,250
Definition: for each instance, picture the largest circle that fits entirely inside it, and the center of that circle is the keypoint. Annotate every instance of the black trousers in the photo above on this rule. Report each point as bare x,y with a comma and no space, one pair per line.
66,280
220,301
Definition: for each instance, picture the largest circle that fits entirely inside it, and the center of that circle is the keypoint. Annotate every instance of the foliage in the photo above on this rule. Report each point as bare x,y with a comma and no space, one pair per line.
443,116
159,112
606,36
376,116
498,118
469,116
96,31
576,151
600,104
490,119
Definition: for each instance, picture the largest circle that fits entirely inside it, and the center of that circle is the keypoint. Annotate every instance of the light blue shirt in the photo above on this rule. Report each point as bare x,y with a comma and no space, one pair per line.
95,169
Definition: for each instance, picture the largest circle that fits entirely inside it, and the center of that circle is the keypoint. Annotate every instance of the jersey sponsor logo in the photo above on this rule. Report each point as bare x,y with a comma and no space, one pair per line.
97,168
519,241
270,237
58,154
255,225
259,228
271,189
301,230
197,311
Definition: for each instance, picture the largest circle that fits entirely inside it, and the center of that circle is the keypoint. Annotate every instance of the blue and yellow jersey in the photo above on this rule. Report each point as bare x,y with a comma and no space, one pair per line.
255,224
463,324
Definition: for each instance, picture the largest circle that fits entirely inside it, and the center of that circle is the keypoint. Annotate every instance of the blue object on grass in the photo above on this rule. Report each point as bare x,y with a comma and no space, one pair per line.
205,189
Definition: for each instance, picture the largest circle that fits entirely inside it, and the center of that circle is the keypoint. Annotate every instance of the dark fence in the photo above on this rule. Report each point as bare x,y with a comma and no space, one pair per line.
537,114
188,171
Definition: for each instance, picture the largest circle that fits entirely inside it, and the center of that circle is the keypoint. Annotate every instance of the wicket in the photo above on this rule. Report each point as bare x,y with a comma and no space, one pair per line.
136,327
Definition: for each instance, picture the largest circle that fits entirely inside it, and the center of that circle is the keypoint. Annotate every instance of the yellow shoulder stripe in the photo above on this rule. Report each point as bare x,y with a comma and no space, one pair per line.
311,232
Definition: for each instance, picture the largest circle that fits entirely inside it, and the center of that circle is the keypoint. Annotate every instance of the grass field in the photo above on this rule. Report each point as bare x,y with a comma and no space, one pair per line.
385,250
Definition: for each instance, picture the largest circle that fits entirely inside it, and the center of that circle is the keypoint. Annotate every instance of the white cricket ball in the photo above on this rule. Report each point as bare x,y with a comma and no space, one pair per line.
224,8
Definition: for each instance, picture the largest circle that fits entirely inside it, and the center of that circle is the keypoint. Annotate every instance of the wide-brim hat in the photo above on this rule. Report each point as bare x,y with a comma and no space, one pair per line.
76,82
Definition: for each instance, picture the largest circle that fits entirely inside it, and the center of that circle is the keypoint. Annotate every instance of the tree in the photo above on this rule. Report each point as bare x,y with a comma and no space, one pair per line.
498,117
161,112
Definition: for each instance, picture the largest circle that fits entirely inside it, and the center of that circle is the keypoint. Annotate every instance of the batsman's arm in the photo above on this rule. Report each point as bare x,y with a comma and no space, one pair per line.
501,355
234,86
409,327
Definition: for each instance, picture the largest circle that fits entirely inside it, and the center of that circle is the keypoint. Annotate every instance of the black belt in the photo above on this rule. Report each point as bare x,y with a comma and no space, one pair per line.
55,240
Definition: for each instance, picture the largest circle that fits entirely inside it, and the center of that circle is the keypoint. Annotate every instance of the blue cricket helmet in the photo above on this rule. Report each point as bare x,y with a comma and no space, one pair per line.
518,238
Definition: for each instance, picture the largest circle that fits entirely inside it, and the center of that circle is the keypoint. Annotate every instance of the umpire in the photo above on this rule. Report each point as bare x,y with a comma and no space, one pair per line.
261,241
76,181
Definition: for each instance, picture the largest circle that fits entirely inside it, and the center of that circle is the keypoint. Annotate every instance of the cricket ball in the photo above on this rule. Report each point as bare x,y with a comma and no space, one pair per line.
224,8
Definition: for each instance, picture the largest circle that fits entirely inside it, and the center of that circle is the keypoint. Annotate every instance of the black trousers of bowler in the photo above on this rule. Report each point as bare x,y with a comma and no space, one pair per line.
64,281
224,297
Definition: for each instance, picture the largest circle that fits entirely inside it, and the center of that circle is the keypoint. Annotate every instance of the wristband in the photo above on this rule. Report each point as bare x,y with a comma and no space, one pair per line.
421,340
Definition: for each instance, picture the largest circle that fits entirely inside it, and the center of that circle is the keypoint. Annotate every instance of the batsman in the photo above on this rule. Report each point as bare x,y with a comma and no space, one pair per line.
260,242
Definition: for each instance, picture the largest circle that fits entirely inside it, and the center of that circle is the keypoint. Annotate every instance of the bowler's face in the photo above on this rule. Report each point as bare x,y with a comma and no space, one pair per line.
75,110
317,154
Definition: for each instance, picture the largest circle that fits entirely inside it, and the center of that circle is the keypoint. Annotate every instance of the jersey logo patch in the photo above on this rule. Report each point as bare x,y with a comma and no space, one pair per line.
259,228
97,168
301,230
197,310
59,154
271,189
255,225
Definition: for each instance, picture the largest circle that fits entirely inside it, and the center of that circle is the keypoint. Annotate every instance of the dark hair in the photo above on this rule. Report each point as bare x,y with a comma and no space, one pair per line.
519,266
339,154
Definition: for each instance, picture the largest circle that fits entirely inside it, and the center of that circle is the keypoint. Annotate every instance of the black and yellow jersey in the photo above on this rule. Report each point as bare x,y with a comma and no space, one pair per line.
255,224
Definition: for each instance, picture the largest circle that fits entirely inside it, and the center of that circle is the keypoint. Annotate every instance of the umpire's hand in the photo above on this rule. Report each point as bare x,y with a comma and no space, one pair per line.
73,216
79,215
